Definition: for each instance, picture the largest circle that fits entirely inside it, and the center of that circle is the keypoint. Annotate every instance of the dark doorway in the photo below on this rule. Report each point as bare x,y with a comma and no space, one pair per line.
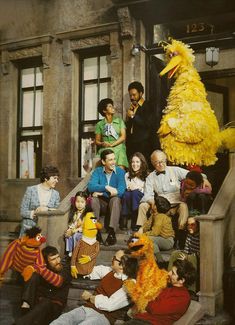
158,91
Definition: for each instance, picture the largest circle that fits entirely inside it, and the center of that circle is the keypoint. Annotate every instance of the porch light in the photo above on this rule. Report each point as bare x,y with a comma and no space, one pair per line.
212,56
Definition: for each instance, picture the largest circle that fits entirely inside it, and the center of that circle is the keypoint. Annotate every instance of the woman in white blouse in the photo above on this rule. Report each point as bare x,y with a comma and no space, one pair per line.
135,180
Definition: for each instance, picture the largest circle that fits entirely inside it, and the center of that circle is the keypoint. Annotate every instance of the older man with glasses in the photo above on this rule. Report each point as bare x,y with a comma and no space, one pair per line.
165,181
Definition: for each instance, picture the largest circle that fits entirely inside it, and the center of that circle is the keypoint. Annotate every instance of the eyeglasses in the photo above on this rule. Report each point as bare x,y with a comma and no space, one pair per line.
159,162
117,260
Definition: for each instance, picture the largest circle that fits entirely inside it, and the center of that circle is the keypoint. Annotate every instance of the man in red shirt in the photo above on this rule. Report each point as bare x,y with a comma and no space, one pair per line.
173,301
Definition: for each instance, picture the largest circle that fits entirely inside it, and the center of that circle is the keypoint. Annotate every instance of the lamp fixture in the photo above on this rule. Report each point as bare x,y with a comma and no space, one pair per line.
136,48
212,56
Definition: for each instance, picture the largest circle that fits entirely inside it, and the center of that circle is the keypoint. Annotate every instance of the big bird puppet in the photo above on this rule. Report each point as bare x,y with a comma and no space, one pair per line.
23,252
150,279
189,132
84,255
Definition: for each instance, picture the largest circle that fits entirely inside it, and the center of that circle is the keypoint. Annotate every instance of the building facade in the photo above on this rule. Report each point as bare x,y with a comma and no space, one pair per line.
59,58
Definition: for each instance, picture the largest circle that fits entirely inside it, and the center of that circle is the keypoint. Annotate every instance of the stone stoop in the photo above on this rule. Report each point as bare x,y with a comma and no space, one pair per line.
12,226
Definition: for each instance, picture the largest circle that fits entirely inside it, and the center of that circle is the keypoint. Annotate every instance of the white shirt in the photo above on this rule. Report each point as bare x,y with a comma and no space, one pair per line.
166,185
134,183
118,299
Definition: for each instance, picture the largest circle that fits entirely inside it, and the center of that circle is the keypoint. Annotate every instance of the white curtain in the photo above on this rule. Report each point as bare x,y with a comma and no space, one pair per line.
88,153
27,164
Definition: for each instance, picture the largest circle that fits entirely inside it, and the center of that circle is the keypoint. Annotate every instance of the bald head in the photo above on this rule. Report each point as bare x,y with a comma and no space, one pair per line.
158,160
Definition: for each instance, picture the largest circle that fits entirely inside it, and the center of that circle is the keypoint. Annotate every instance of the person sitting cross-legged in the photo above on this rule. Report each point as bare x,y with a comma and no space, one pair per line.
106,304
173,301
107,185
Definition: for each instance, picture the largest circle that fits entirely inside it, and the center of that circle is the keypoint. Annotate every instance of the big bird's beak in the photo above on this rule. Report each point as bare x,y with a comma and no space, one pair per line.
171,67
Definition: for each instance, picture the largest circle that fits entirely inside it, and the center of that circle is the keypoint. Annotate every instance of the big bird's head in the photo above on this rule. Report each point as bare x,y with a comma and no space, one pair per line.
90,225
179,56
33,238
140,246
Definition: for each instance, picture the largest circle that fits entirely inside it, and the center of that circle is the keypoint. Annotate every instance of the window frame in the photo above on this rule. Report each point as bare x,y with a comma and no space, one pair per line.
86,54
37,139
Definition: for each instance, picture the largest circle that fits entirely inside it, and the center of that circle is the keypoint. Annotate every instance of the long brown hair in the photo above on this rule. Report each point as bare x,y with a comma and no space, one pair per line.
143,171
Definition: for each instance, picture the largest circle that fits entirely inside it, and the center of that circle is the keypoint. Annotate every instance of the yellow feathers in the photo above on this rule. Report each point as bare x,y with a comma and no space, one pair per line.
189,132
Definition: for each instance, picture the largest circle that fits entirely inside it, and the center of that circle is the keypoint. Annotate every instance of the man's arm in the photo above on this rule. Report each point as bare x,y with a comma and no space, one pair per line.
94,184
98,272
117,301
148,189
121,183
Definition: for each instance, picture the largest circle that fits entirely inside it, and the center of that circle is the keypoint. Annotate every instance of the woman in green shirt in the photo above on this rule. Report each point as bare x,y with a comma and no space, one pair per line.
111,133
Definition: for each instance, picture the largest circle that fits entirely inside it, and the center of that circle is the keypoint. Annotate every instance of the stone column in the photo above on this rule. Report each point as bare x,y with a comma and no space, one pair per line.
211,262
53,225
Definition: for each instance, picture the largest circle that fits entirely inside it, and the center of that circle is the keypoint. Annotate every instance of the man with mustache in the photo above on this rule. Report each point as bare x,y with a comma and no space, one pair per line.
140,137
44,302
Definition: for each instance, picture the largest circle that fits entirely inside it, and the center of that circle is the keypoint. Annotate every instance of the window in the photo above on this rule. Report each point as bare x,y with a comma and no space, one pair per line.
30,121
94,85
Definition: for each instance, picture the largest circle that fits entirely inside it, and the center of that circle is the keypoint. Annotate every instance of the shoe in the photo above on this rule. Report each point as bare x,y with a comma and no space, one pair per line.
135,228
110,240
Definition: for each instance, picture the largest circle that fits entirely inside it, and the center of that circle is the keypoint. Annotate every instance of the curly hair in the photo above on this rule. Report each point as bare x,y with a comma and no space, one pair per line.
49,251
195,176
130,266
136,85
142,173
32,232
186,271
47,172
103,104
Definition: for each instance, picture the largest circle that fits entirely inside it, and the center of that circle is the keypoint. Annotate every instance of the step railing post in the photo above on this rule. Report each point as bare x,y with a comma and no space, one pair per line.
53,225
211,262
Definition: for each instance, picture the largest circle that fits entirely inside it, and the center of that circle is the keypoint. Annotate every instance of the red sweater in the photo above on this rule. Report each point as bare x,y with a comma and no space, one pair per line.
168,307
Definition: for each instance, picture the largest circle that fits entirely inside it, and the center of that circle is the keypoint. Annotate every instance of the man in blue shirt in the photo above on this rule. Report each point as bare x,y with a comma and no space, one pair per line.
107,185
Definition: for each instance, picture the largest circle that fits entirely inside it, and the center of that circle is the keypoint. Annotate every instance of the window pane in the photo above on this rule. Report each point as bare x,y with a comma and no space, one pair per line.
28,77
30,132
39,81
90,105
38,108
104,67
88,152
27,159
104,90
90,68
27,112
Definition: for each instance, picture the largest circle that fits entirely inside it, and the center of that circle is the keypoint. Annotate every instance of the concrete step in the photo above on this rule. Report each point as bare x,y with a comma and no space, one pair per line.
9,226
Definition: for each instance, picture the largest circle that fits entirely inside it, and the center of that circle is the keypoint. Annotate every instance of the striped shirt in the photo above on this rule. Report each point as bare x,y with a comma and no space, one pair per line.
18,256
192,244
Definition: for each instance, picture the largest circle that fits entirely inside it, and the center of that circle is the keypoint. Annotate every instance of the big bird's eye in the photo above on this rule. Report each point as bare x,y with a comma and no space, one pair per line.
175,53
38,237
